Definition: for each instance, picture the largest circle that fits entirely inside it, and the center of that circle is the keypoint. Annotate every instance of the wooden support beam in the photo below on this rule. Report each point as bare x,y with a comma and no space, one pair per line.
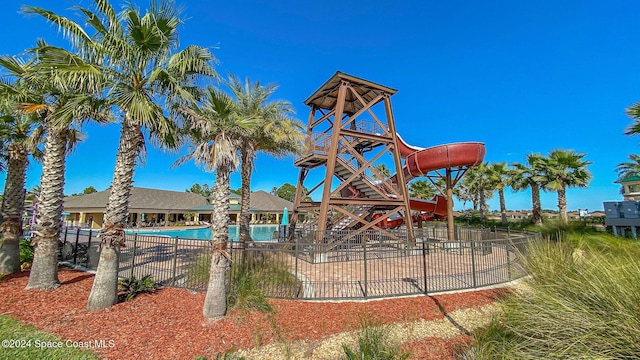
331,162
402,185
373,115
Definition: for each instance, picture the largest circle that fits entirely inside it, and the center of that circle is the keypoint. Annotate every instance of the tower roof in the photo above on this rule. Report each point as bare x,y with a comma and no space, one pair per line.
327,95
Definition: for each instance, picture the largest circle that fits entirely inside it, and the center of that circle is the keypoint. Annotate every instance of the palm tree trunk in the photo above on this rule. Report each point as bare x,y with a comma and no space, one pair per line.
12,209
245,215
535,202
215,302
104,292
483,206
562,205
44,270
503,207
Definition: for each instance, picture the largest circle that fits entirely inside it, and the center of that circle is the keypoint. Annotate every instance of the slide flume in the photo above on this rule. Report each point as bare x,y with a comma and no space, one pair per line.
419,161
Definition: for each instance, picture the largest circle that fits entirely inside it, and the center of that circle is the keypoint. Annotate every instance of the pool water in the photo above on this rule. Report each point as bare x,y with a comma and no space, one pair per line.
258,233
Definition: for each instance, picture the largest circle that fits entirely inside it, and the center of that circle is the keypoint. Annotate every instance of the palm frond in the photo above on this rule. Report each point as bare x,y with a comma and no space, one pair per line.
70,29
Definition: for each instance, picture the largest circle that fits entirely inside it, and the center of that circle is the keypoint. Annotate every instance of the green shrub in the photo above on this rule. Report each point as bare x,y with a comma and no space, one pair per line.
246,294
558,231
251,280
197,275
582,301
131,287
26,251
374,344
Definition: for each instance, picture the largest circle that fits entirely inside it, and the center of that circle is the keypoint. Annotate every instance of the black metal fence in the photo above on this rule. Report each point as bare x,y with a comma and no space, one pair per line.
335,265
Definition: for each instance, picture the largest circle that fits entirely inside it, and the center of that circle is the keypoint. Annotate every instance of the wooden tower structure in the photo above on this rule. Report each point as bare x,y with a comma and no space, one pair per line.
350,134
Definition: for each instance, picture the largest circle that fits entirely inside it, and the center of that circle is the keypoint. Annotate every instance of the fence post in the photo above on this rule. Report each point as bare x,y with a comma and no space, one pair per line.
296,268
89,248
75,248
175,262
133,257
424,266
230,264
473,261
507,246
66,230
366,290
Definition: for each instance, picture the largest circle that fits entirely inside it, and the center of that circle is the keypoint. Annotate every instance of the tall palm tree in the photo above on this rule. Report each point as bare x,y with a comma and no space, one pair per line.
278,135
61,103
564,169
630,168
15,133
481,187
144,71
216,132
498,176
522,177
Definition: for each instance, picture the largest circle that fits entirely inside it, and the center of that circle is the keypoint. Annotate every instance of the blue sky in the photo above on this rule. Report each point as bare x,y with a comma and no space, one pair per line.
520,76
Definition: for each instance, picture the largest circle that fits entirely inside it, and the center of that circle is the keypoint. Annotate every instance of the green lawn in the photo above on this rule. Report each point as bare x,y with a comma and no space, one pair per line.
20,341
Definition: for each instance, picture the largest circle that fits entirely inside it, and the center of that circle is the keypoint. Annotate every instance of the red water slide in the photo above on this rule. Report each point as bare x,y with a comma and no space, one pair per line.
419,161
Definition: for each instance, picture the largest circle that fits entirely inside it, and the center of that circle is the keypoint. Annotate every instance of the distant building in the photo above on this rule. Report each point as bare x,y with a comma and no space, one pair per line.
630,187
623,215
153,207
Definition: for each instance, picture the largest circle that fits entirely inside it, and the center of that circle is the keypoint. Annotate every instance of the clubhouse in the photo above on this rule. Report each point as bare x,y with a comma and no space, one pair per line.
153,207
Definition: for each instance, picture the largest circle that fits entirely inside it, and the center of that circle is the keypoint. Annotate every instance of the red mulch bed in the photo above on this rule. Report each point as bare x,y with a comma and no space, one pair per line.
168,324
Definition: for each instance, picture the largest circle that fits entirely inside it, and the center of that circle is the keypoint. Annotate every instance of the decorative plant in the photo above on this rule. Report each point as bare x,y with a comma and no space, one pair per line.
374,343
26,253
131,287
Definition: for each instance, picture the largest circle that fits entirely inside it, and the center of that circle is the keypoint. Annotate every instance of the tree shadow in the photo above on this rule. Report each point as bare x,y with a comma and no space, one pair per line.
77,279
448,317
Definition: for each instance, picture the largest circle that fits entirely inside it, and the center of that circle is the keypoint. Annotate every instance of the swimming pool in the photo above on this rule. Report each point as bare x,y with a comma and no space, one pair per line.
258,233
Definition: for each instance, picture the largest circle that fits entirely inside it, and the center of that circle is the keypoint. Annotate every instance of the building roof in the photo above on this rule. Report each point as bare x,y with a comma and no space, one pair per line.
232,207
141,198
260,201
153,199
263,201
629,179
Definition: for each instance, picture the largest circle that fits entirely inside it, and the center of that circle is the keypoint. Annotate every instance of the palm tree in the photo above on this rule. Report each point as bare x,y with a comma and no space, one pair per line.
60,102
463,193
522,177
278,135
634,113
138,56
421,189
563,169
383,170
15,132
498,175
480,186
630,168
216,132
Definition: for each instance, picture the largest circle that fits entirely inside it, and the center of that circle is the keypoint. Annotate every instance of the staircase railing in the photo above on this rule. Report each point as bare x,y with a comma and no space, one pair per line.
370,181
